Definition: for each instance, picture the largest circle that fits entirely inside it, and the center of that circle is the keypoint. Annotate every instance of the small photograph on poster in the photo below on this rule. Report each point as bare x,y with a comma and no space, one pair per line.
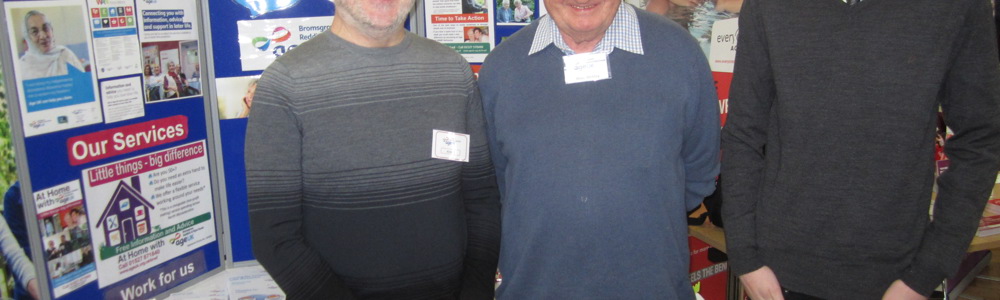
56,85
515,12
116,37
171,70
235,96
477,34
454,23
69,255
148,210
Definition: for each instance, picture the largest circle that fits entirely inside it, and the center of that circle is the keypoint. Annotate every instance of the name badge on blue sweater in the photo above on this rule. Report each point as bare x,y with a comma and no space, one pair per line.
586,67
450,146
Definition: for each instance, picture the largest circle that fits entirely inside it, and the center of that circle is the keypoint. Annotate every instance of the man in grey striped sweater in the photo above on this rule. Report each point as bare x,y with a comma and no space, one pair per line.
368,172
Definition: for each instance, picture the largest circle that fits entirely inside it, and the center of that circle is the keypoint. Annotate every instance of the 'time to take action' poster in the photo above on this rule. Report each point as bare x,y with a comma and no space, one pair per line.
463,25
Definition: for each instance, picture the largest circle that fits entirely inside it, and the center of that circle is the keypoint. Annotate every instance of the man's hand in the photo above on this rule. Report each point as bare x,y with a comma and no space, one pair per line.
900,291
762,285
32,288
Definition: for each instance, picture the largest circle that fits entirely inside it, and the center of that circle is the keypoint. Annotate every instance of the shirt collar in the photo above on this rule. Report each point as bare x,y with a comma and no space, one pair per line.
623,34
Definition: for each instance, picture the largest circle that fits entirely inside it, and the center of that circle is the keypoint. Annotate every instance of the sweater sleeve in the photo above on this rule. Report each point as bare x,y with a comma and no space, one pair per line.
743,139
971,104
18,261
701,135
489,104
274,194
482,205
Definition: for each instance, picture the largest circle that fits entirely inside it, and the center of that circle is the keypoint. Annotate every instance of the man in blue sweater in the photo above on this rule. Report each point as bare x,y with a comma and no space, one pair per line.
828,150
600,150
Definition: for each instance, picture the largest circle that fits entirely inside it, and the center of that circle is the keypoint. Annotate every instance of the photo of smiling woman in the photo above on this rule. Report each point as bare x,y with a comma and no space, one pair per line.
45,55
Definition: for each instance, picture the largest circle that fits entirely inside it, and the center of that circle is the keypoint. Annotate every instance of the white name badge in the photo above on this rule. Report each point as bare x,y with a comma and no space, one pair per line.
586,67
450,146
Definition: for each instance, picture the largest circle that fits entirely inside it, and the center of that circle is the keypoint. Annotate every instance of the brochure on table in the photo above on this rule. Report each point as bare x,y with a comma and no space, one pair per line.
116,141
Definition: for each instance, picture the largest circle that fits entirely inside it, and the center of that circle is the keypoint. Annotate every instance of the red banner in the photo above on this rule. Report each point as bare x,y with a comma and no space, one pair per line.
459,18
112,142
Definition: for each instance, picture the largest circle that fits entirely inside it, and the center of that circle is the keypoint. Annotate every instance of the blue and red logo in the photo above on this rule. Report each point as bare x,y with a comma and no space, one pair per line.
279,35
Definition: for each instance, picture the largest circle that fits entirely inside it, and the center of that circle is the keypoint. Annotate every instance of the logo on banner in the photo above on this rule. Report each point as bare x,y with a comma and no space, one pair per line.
263,41
279,35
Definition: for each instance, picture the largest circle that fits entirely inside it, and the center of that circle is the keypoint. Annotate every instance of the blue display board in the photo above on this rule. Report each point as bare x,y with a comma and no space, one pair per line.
109,103
244,41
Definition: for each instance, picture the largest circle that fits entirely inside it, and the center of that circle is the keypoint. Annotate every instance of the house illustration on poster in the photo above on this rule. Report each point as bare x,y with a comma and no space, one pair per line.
127,215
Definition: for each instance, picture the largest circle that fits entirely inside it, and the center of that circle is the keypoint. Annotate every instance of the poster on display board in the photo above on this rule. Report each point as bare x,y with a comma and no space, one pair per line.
149,209
66,237
463,25
170,55
235,96
56,84
116,44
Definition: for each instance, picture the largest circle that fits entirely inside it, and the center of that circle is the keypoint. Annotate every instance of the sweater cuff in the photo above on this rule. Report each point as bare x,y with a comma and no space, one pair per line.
922,280
743,260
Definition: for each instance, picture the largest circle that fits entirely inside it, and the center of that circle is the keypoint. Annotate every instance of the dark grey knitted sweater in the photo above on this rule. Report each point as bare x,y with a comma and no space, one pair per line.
345,199
828,150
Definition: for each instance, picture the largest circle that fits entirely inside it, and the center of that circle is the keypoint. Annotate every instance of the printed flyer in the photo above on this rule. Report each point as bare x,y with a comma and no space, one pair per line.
263,41
169,56
116,38
116,44
463,25
68,252
149,209
54,70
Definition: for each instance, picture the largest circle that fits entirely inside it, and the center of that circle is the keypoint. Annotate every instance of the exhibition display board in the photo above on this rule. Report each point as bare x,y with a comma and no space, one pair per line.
246,38
114,142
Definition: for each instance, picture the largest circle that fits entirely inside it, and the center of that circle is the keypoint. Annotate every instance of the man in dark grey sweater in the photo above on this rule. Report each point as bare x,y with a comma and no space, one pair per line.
368,172
828,149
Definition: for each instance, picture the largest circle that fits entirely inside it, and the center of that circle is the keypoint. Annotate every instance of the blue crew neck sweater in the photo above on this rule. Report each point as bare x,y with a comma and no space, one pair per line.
596,177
